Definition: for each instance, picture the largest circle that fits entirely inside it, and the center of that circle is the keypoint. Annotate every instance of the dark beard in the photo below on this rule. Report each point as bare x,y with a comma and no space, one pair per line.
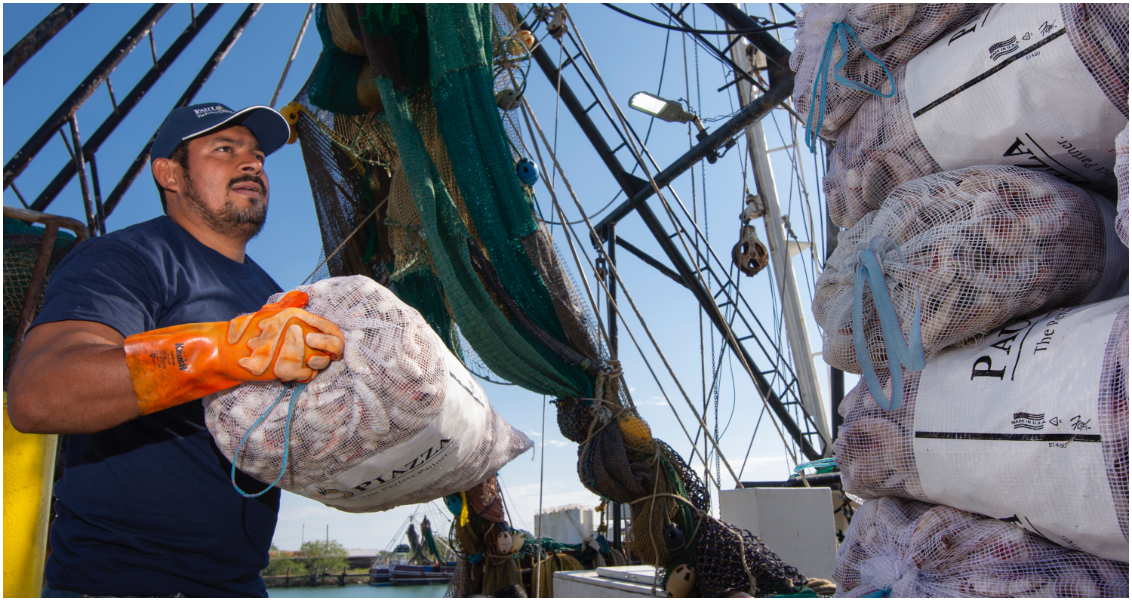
229,221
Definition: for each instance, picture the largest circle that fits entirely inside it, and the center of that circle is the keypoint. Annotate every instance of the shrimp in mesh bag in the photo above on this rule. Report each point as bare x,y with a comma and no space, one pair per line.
398,420
952,255
1121,171
898,548
1030,425
844,53
986,110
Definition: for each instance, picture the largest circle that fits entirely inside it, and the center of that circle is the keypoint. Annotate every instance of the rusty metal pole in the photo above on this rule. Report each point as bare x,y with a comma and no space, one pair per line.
213,62
38,37
122,109
80,168
23,156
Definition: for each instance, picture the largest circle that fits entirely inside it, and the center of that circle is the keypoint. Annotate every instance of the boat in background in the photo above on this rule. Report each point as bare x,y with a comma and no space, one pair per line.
422,560
379,575
408,575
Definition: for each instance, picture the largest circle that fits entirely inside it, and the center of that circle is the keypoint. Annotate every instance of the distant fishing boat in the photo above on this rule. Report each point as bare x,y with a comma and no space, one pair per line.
427,561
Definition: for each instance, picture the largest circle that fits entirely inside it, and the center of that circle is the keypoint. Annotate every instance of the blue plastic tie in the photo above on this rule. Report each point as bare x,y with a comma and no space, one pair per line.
298,389
837,33
476,558
819,464
900,351
882,593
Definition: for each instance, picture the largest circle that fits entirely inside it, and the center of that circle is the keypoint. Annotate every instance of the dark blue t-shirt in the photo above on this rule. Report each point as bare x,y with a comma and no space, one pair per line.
147,507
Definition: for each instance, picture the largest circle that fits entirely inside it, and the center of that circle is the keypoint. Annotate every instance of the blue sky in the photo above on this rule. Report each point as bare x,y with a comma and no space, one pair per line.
629,56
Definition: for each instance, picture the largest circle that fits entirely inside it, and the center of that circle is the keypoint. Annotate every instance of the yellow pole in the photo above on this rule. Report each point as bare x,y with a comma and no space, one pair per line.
29,467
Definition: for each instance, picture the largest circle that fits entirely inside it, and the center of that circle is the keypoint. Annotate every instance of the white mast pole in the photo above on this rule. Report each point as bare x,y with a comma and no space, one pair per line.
793,315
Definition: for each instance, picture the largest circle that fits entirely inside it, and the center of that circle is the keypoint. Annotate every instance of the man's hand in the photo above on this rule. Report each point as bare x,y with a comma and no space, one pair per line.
178,364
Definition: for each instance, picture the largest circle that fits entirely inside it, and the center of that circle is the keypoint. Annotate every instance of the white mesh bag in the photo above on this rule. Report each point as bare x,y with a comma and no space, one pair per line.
982,245
1122,189
893,33
1099,34
897,548
992,109
1029,425
398,420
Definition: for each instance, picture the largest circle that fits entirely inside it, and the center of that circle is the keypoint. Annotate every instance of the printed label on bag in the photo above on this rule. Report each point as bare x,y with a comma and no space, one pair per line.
1008,88
1020,411
433,453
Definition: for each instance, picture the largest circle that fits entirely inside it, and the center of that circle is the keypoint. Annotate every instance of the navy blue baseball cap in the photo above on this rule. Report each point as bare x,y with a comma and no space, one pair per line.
266,124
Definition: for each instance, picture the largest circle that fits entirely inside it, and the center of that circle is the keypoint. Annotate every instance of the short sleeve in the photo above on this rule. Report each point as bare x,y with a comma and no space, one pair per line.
106,281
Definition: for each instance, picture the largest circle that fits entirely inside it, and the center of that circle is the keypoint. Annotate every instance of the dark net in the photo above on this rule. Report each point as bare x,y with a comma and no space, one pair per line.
21,249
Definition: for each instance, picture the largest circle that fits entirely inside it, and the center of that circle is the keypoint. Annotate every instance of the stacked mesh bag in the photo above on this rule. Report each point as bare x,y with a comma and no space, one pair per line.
900,548
1015,115
982,293
878,39
397,421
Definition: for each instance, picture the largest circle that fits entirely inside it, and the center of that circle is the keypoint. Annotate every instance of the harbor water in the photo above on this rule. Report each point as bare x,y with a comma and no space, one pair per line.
360,590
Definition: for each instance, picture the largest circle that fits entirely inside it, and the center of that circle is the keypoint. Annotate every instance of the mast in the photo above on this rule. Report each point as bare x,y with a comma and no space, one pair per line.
792,313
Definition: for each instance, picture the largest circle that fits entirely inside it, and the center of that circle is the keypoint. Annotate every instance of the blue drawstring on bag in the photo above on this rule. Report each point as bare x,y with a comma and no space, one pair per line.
900,351
297,390
837,33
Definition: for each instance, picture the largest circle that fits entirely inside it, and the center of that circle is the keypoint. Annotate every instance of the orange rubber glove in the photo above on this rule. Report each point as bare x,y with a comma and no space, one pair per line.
182,363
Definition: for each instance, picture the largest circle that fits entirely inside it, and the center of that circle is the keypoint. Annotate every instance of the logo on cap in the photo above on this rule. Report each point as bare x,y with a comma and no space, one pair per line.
210,110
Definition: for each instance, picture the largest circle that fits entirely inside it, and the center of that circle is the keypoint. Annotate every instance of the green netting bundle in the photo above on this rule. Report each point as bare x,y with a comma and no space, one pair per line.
407,26
334,84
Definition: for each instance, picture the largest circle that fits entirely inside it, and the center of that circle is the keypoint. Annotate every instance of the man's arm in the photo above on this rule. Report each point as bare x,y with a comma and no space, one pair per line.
81,377
71,378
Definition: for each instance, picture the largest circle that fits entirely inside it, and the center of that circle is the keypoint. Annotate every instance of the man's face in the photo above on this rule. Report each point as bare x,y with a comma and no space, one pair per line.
225,183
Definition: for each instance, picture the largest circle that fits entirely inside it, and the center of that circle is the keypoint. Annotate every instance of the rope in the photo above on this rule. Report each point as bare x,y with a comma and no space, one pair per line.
294,52
538,523
699,274
836,34
286,438
363,222
903,353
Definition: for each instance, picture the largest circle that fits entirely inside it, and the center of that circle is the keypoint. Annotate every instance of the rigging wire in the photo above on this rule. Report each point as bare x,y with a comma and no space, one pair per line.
351,235
700,31
700,312
680,232
294,52
779,358
528,116
541,471
612,267
740,73
659,86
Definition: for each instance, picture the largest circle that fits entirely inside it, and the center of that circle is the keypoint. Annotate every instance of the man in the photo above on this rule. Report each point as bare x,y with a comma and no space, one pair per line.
134,331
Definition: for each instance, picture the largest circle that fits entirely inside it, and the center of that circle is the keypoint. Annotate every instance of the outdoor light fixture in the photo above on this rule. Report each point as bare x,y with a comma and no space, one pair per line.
665,110
668,110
